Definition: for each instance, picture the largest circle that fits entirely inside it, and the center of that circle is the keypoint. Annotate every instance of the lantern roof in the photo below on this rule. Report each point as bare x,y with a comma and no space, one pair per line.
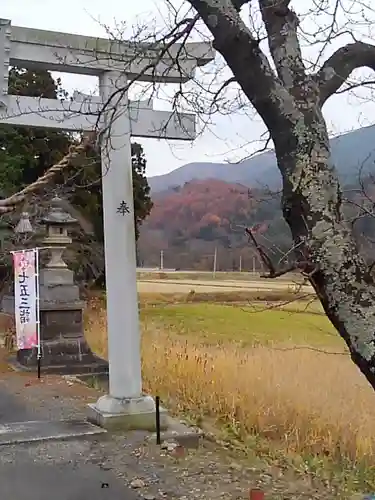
57,216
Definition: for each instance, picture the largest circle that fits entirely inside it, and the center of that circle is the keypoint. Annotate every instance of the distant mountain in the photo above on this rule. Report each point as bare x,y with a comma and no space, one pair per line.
189,222
350,152
192,222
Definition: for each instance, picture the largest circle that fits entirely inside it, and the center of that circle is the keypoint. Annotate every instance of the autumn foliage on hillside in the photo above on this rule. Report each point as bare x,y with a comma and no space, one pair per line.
189,222
204,209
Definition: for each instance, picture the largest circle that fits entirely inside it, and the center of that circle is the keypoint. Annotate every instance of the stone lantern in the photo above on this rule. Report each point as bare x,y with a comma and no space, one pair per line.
57,224
64,347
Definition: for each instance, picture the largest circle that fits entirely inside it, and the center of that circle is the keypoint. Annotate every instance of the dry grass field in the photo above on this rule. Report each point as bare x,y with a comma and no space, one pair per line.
210,276
272,375
204,286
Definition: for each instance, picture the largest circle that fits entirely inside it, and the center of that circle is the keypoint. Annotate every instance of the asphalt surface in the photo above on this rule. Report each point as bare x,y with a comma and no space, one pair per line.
34,481
34,475
11,408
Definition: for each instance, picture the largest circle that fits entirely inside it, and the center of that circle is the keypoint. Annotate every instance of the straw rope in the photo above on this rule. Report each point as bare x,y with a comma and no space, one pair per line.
10,204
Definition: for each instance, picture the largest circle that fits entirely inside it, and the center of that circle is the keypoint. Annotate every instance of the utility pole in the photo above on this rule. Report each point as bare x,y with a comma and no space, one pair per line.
240,263
161,260
215,262
253,264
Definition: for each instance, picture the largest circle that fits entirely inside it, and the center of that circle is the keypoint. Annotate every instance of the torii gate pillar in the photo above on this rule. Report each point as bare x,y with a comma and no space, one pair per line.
125,405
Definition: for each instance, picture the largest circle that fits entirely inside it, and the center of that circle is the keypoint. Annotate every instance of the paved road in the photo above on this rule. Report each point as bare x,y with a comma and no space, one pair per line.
11,408
50,469
26,480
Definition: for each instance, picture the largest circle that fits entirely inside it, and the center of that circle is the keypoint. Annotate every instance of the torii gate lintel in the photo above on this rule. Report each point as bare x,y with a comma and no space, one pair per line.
83,114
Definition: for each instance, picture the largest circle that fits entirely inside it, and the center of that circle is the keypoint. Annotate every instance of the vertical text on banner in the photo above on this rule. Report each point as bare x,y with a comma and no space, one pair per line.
25,298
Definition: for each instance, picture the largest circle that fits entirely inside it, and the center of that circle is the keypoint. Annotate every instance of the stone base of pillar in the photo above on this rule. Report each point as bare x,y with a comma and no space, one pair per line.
64,356
126,414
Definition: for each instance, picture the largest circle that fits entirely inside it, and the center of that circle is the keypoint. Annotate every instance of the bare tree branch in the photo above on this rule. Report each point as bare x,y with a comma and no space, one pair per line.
341,64
238,4
281,24
273,272
248,63
221,89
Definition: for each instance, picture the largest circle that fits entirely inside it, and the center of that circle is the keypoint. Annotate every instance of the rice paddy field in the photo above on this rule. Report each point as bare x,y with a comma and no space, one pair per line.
258,362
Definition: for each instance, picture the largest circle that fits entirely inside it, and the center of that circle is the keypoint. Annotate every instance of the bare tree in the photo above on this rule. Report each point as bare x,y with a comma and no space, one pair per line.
289,99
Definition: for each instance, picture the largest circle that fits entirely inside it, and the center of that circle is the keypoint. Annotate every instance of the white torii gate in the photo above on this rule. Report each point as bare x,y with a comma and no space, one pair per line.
114,63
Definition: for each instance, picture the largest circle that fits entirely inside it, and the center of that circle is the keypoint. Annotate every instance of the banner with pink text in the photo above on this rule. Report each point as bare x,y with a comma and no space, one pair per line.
25,298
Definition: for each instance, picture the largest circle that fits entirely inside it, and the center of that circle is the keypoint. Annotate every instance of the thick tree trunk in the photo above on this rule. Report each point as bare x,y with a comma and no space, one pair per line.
313,209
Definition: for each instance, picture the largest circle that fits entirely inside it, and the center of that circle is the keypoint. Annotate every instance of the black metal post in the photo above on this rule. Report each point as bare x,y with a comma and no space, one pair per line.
39,364
157,415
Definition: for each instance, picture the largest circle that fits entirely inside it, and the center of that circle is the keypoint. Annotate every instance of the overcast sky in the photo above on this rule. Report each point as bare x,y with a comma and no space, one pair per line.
224,140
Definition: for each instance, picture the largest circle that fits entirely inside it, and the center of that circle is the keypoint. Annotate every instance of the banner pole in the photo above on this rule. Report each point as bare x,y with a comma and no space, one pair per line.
37,300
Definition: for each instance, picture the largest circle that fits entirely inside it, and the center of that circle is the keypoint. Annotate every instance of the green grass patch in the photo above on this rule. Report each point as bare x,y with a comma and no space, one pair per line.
257,324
